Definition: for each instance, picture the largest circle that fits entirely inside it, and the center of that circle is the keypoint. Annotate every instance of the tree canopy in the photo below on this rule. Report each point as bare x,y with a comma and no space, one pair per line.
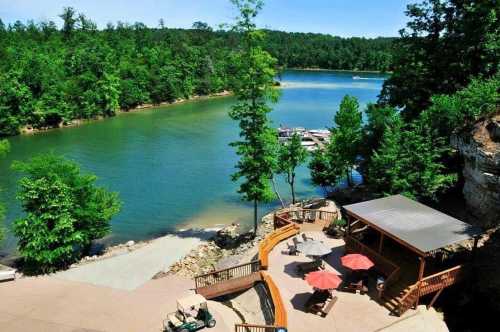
445,45
50,77
65,211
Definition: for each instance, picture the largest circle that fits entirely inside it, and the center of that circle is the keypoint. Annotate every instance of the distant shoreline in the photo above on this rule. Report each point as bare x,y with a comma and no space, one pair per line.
339,70
28,130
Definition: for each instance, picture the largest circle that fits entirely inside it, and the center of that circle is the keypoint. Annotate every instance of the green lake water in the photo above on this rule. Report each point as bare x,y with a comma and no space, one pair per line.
172,164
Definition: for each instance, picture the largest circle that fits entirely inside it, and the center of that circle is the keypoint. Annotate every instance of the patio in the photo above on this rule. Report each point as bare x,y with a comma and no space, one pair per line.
352,312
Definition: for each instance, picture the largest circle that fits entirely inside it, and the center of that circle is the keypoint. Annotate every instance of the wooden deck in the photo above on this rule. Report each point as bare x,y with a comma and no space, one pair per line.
229,286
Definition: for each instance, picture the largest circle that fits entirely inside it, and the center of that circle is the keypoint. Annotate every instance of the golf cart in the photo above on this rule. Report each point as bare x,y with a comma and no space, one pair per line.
192,314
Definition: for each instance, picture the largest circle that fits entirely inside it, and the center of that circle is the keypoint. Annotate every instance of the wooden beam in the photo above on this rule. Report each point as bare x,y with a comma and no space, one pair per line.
435,298
381,243
420,276
395,238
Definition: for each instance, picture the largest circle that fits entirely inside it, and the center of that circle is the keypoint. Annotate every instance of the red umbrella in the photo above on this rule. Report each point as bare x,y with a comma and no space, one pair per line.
356,262
323,280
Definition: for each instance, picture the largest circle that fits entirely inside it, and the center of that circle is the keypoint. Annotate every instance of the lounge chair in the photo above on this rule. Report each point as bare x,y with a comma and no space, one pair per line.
324,309
310,266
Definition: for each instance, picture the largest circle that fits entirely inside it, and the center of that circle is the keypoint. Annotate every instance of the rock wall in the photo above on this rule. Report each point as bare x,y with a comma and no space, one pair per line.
481,151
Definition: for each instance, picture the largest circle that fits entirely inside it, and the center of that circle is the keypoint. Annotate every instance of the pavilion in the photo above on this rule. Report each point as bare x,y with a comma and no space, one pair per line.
393,231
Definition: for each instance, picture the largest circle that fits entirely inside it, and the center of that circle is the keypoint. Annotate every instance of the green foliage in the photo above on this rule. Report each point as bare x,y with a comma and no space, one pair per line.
50,76
4,149
253,88
290,156
446,44
340,156
408,162
65,211
449,113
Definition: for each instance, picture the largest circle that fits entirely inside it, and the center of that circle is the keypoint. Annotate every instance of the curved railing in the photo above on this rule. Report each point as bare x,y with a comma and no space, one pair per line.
280,315
268,244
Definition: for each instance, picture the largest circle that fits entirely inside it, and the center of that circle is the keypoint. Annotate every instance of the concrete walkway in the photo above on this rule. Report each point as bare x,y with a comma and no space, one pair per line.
132,269
48,304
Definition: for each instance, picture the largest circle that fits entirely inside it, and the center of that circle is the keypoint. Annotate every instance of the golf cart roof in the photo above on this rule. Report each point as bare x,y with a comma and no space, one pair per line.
191,300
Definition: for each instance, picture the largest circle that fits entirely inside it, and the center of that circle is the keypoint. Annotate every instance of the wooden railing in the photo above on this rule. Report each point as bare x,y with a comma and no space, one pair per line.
408,300
440,280
220,276
280,315
258,328
301,215
267,245
382,264
429,284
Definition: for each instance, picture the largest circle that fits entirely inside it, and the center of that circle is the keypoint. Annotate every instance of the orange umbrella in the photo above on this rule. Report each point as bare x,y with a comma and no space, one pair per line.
356,262
323,280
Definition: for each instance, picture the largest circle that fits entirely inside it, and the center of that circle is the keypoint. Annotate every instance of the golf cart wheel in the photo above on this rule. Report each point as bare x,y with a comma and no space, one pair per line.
211,323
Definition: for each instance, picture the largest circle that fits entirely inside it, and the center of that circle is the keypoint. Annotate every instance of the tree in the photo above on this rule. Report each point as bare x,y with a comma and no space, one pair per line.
445,45
291,155
338,159
65,211
4,148
346,136
69,17
253,88
408,162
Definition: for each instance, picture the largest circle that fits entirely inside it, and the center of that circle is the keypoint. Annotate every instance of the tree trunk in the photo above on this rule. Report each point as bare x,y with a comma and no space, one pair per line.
255,225
275,188
292,187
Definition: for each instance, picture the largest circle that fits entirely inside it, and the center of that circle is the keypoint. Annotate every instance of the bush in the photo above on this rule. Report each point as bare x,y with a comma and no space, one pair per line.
65,211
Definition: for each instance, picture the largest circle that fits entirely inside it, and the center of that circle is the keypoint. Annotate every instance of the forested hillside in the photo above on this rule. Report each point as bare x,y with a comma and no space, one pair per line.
50,75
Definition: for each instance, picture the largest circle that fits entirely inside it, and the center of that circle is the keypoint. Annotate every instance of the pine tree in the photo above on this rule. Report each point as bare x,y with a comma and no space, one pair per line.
253,88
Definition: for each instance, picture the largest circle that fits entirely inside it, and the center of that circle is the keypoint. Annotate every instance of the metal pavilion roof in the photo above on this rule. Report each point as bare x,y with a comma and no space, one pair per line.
422,228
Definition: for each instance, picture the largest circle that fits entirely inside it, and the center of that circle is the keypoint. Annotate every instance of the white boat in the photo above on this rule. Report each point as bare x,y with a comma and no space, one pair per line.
356,78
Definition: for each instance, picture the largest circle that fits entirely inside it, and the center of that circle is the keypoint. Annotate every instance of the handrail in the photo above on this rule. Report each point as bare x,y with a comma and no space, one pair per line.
409,299
440,280
429,285
258,328
219,276
267,245
280,315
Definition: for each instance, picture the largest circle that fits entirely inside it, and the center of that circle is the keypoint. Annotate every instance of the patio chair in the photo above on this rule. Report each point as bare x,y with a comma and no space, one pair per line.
325,309
310,266
305,237
356,284
291,250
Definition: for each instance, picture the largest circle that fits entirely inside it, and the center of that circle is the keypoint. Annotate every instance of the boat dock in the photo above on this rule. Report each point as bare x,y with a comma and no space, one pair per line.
312,139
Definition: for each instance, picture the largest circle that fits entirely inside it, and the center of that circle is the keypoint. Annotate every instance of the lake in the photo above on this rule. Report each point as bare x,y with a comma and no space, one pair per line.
172,164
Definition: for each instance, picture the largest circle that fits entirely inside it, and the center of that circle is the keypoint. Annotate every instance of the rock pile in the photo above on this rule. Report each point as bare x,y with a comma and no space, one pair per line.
227,242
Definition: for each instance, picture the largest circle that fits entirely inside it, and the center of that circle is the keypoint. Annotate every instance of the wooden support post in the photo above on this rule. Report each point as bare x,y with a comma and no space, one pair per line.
381,243
420,276
474,248
435,298
348,224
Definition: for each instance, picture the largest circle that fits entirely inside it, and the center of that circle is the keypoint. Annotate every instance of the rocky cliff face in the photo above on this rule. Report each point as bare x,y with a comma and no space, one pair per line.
481,151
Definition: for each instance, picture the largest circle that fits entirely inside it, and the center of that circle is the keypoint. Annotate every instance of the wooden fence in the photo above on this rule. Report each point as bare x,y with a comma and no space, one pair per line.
382,264
258,328
220,276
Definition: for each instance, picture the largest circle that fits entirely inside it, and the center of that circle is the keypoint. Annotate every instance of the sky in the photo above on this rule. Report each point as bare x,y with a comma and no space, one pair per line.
346,18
